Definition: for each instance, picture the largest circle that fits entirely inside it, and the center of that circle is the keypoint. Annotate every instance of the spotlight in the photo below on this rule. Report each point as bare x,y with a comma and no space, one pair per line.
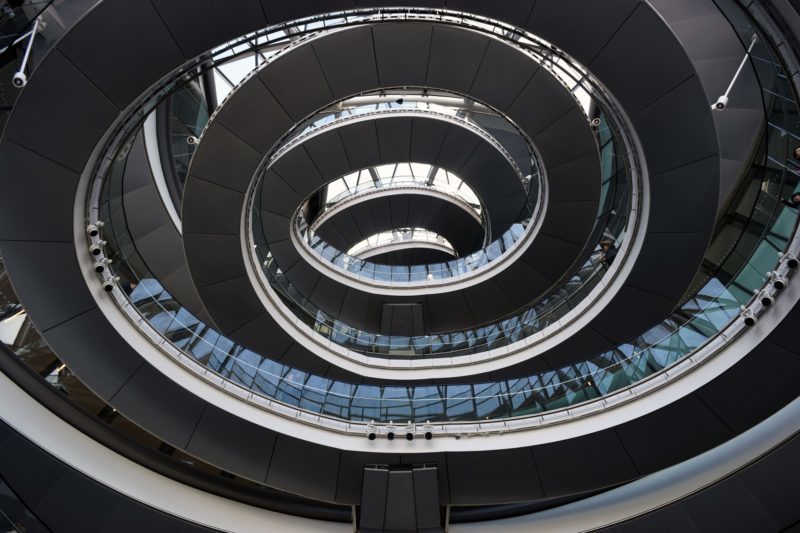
192,140
750,318
94,229
390,431
100,266
372,431
766,299
19,80
109,284
779,282
791,261
595,122
410,431
721,103
428,429
97,249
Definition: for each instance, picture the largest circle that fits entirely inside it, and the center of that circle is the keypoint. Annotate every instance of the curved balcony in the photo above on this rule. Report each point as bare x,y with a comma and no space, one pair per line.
698,322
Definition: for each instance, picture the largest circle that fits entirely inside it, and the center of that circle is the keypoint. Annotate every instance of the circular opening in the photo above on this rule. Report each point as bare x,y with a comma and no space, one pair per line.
409,436
390,435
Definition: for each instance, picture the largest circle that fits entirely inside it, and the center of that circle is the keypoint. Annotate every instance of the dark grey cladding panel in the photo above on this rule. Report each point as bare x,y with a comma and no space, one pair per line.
287,252
133,517
200,26
232,444
143,399
210,208
143,206
668,263
398,207
354,299
373,499
672,434
277,196
447,312
643,80
297,81
515,13
275,227
162,251
67,503
733,506
382,217
402,53
47,279
440,461
543,101
82,341
17,462
579,464
219,251
298,171
279,11
586,34
785,333
233,301
146,54
502,476
301,358
345,224
348,61
180,285
567,182
570,221
487,301
333,234
303,276
567,139
520,281
75,120
458,145
483,166
304,468
739,127
328,295
506,211
688,188
503,74
770,481
361,143
677,129
394,139
631,313
232,161
548,248
742,411
370,313
349,488
455,58
328,154
66,500
427,137
251,100
500,185
265,336
30,179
